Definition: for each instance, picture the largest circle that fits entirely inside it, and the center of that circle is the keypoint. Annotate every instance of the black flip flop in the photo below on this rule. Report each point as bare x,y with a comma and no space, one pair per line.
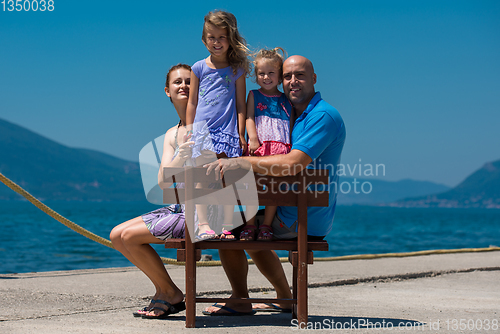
273,308
171,309
230,311
146,309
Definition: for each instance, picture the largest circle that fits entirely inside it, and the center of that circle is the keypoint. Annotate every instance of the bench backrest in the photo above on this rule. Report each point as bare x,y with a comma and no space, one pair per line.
310,184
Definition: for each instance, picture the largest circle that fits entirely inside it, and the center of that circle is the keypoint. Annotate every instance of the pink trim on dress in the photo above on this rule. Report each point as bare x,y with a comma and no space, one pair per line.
269,95
272,148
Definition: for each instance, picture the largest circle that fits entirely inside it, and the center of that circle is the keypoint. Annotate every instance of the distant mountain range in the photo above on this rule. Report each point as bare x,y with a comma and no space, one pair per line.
479,190
51,171
354,191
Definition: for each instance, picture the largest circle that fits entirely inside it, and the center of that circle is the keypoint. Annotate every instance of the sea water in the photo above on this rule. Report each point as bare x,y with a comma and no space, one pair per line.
31,241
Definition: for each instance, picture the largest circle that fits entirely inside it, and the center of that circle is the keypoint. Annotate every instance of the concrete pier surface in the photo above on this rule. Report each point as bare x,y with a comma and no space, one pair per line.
450,293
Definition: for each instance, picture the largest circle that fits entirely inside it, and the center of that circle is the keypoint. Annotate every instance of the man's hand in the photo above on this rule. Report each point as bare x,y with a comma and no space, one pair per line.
222,165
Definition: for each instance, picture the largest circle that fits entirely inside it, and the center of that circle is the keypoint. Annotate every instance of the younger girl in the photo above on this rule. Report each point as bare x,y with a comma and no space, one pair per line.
268,125
216,109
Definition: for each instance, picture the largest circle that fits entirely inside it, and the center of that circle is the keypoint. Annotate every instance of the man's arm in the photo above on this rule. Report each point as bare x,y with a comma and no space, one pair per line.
274,165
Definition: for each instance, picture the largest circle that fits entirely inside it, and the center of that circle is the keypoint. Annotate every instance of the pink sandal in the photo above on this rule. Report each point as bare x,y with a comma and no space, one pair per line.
226,235
248,233
265,233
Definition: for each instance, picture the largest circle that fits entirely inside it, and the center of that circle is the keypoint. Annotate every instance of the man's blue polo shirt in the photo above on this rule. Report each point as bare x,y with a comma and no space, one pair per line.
320,133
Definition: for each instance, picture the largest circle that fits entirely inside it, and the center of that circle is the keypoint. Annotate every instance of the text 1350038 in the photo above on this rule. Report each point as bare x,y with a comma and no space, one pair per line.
28,5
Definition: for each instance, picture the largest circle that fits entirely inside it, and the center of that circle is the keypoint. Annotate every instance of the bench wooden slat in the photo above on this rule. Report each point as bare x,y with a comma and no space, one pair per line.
200,174
313,176
204,196
245,300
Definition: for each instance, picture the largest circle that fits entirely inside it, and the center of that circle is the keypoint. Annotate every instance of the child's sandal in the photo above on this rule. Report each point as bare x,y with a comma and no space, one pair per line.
226,235
207,235
248,233
265,233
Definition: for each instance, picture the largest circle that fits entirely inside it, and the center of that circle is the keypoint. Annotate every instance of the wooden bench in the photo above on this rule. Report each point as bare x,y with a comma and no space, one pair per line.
270,192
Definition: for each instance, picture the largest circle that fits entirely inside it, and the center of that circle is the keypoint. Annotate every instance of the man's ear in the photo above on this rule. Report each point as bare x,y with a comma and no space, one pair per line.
314,78
167,92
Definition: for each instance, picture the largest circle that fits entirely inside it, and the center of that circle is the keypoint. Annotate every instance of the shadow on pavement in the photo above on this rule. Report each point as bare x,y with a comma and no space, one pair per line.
314,322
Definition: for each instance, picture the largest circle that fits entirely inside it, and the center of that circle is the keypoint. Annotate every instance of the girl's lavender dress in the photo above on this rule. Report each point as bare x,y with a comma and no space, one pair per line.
215,125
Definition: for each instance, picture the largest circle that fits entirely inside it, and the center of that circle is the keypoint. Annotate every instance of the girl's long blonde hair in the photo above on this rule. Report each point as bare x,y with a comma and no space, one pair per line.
237,55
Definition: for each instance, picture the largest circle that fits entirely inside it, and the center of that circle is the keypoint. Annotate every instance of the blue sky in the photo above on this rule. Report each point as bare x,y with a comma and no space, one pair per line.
417,82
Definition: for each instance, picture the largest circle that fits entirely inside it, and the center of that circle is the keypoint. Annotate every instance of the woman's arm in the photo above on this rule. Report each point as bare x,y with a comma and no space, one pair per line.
193,100
168,153
250,123
241,108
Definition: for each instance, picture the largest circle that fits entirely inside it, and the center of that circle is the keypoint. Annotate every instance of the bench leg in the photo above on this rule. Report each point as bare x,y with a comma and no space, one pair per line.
302,260
294,292
302,293
190,252
190,283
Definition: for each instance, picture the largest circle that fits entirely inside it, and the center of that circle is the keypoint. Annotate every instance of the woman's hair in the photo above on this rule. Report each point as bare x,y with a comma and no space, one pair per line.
173,68
238,51
273,56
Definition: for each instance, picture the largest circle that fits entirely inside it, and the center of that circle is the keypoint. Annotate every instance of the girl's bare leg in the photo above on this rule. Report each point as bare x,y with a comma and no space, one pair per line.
265,230
202,210
227,225
269,214
203,225
248,231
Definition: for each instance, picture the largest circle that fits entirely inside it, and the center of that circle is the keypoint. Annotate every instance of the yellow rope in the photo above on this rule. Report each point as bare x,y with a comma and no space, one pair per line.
68,223
77,228
407,254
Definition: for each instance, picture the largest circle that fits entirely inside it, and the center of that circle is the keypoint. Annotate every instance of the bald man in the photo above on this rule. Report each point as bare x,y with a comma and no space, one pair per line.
317,140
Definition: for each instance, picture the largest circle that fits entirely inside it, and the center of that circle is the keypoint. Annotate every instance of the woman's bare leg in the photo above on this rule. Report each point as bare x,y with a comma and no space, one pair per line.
132,239
116,237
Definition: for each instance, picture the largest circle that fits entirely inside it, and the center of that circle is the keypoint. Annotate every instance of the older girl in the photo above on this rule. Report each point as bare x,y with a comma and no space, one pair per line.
217,109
